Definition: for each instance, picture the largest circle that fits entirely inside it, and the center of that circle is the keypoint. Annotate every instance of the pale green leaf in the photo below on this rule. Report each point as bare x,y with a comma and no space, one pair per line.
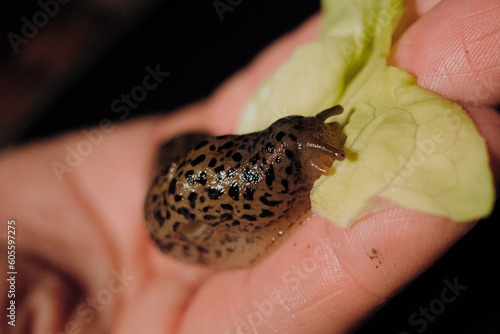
404,143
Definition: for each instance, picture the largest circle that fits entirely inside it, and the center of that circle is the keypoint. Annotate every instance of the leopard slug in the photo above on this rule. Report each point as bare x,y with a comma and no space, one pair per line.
227,201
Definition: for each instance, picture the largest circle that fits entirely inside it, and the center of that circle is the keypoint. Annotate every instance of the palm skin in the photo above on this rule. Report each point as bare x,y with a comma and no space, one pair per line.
88,265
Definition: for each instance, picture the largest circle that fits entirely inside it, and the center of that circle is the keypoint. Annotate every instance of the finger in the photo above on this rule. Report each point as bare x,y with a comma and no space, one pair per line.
487,121
325,279
453,50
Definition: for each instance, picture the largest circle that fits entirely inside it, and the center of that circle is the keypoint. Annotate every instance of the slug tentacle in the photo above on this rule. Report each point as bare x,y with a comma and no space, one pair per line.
327,113
227,201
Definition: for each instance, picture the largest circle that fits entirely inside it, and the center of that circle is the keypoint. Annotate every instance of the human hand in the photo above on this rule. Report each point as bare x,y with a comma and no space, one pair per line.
87,263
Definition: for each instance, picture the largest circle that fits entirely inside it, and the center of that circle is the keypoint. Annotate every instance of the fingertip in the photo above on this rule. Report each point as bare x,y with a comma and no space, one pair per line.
453,50
487,121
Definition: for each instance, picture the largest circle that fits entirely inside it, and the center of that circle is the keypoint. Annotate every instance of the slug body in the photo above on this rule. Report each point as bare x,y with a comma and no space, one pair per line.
227,201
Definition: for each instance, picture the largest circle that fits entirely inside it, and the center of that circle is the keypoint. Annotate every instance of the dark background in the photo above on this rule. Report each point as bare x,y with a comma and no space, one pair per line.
200,51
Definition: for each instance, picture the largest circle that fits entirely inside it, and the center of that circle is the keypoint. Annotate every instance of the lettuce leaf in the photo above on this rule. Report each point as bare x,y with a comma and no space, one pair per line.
404,143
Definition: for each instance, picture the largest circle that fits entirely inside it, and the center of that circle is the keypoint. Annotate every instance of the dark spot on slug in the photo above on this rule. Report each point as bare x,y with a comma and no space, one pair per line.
269,148
171,187
202,249
249,217
248,194
237,157
234,192
226,216
270,176
284,183
267,202
226,146
184,211
201,144
213,193
192,199
202,179
280,135
219,169
159,218
266,213
212,162
253,160
198,160
189,177
168,246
